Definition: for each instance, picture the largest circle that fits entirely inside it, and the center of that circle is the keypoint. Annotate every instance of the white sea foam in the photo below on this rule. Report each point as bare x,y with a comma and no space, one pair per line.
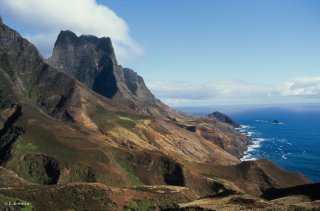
277,123
250,133
285,156
252,146
260,139
245,126
247,157
285,141
259,120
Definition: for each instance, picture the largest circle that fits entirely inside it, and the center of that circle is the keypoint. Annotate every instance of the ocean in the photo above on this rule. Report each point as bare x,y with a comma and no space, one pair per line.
293,143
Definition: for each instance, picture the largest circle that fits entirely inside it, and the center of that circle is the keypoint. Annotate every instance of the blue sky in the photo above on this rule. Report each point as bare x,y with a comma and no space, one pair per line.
247,40
200,52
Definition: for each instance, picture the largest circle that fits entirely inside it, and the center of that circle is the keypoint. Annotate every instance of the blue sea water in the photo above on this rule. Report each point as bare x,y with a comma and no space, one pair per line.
293,144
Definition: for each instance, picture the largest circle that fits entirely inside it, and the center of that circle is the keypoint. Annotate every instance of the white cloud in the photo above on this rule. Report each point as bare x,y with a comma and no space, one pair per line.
301,86
236,92
48,17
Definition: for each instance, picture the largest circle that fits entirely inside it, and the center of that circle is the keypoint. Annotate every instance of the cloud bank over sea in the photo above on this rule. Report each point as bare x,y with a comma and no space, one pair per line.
303,90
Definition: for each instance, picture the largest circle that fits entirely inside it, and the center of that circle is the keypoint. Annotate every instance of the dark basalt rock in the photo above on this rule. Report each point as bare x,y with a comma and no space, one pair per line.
42,84
192,128
92,61
173,173
65,37
224,118
131,79
310,190
88,58
38,168
105,83
7,141
9,133
16,113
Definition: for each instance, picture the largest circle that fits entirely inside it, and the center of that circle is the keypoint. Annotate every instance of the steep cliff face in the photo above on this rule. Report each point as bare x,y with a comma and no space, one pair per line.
88,59
92,61
21,62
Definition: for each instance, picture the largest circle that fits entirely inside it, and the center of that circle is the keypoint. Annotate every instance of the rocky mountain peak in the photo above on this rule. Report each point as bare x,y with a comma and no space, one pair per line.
92,61
65,37
88,59
69,38
1,20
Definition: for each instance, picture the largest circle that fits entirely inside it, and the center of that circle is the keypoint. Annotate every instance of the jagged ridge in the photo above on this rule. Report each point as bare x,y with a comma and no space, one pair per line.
92,61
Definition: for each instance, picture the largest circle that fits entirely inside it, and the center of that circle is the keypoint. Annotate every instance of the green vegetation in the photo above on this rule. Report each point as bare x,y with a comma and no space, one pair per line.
102,118
140,205
4,103
24,148
215,177
73,197
25,206
28,207
125,118
149,205
134,179
37,168
299,208
27,80
168,205
126,122
4,198
5,63
107,120
83,173
40,139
